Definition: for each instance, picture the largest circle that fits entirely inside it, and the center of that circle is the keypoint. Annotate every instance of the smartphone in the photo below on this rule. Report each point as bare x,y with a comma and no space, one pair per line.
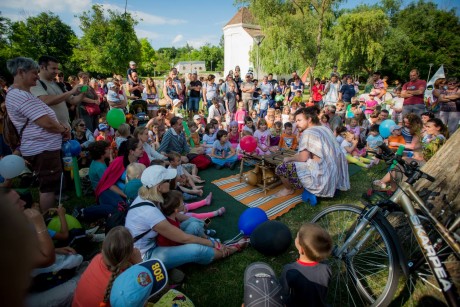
84,89
207,221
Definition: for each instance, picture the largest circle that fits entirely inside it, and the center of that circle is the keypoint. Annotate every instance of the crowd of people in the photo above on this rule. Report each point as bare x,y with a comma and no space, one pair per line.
151,168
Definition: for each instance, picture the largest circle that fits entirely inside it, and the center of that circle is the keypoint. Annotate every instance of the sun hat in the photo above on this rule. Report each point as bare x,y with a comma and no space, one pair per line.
394,127
154,175
196,117
261,288
138,283
102,127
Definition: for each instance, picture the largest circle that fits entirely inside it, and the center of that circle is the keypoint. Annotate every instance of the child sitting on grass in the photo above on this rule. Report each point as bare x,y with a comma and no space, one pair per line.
194,135
395,139
353,155
307,280
233,134
288,139
174,204
276,131
184,181
223,153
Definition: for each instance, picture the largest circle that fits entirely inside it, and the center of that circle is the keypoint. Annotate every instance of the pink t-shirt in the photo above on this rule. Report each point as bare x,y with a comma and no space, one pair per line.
370,104
411,86
262,137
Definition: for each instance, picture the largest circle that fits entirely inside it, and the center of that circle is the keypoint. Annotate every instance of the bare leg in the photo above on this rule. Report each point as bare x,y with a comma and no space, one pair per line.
287,188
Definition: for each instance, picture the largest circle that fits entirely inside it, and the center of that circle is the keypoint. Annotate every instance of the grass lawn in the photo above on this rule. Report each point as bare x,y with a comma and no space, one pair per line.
221,283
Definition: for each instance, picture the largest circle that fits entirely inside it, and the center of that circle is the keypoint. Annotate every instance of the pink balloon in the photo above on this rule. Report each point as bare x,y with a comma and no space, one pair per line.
248,143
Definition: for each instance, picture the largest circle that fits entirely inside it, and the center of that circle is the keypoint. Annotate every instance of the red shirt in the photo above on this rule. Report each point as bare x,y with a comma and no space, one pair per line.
316,89
163,241
92,285
411,86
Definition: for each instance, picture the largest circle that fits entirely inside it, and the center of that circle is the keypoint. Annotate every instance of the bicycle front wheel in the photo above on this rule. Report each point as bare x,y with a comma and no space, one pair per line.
365,275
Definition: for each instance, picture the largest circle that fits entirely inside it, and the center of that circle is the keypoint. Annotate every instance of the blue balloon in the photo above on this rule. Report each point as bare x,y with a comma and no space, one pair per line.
75,148
385,126
250,219
66,149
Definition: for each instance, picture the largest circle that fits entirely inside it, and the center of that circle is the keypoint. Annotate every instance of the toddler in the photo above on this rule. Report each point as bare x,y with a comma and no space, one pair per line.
395,139
184,181
276,131
104,134
339,134
254,116
122,134
340,109
285,114
240,114
209,137
133,181
288,139
374,140
263,106
324,119
353,155
223,154
262,135
194,136
233,135
371,105
353,127
307,279
249,125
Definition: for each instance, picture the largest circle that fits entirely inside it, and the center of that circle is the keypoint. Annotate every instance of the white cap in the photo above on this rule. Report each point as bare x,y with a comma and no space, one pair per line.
110,85
197,117
132,63
156,174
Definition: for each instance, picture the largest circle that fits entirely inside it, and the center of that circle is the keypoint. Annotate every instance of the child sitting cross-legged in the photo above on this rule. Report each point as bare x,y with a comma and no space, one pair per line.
222,152
184,181
307,279
288,139
174,204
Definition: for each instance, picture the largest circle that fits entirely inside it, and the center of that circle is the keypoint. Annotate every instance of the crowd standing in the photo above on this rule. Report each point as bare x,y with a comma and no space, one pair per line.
150,163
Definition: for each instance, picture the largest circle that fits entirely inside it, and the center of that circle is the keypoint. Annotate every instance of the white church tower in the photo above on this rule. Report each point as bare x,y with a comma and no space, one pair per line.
240,35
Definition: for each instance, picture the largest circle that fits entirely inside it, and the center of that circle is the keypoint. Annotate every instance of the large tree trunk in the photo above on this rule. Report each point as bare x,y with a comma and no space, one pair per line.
443,195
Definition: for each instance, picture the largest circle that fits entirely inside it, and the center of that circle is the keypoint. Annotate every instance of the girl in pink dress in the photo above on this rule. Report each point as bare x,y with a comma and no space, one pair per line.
262,135
240,115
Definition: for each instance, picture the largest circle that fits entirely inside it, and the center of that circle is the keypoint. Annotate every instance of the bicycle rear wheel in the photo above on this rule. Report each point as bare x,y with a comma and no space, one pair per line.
367,277
421,282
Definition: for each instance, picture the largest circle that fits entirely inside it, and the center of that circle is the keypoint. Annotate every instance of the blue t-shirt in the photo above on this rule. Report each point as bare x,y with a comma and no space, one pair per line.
221,150
374,141
209,140
96,170
122,181
348,91
263,104
266,88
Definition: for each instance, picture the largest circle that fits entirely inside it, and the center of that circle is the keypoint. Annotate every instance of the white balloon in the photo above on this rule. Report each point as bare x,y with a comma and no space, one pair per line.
11,166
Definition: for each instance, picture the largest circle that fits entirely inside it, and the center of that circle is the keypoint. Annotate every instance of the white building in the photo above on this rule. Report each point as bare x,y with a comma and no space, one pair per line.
185,67
239,39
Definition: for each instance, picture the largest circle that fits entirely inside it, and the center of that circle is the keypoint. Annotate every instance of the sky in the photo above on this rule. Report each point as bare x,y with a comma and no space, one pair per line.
164,23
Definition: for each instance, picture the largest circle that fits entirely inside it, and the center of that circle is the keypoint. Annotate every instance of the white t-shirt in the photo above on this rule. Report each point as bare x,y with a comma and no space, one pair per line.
141,219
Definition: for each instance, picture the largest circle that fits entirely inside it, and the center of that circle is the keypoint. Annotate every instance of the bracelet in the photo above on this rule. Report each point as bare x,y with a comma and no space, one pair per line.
42,231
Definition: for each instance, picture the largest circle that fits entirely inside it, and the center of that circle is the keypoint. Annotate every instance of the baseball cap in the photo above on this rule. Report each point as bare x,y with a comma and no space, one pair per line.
196,117
362,98
395,127
132,63
154,175
261,288
137,284
110,85
103,127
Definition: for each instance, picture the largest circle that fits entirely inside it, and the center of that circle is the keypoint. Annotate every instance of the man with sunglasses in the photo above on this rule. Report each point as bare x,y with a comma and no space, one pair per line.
413,93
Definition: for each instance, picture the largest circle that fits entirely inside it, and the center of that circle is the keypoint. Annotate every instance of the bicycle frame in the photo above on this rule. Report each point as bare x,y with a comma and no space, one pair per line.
404,196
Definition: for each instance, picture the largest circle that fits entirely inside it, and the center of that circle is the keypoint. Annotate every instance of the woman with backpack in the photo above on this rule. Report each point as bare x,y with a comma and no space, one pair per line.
36,127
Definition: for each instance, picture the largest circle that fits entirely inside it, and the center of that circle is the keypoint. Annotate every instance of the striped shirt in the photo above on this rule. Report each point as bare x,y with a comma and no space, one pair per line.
35,140
174,142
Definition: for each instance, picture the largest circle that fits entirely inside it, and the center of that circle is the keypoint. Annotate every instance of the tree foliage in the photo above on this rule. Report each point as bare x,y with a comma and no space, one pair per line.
108,42
44,34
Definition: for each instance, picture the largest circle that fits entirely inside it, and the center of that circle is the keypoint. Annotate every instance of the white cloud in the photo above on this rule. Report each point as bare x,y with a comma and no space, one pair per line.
150,35
46,5
201,41
146,18
177,39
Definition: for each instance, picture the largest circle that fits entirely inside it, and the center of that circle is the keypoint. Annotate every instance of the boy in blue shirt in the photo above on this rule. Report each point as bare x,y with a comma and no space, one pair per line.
263,106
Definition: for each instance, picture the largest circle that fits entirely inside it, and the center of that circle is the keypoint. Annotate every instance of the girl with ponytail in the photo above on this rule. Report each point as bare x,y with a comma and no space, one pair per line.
117,255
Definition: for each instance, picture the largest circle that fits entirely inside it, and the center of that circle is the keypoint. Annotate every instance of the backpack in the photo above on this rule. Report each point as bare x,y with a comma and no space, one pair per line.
119,218
10,135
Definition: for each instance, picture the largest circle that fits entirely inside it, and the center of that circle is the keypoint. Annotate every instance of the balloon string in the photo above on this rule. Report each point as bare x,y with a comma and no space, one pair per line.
235,238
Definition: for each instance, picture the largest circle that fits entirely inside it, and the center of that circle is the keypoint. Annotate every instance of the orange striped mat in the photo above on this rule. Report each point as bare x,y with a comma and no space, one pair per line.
252,196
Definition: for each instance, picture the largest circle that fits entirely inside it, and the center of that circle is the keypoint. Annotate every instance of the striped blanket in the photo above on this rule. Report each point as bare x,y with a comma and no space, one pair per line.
254,196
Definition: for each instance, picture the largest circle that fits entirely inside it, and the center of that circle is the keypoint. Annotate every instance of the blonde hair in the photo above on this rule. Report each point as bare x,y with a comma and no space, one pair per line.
124,130
271,111
151,194
134,170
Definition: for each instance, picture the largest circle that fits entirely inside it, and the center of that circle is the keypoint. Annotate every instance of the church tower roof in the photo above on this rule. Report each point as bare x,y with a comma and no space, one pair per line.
243,16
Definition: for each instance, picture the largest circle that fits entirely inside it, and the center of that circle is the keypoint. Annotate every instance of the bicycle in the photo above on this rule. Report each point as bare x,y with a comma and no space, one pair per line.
368,256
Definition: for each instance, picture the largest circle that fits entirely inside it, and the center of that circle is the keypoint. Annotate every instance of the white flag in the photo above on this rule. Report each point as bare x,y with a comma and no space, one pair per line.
431,102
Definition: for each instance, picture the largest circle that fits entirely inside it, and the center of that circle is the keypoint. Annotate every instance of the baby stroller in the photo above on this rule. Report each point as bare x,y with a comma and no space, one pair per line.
139,109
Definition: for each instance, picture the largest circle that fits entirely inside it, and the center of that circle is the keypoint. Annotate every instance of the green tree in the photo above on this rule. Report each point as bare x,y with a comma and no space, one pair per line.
108,43
148,58
359,36
422,34
44,34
